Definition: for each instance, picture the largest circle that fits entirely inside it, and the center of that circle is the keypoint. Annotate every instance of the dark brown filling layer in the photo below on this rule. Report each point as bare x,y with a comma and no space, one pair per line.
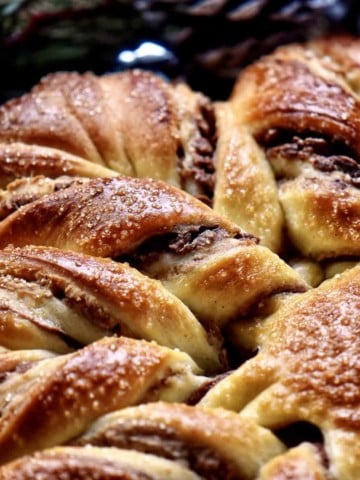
325,154
19,368
164,441
200,169
28,189
182,240
186,240
77,468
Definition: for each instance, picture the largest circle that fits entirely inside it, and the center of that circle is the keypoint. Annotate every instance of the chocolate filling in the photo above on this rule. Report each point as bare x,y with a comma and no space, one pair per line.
339,163
164,441
198,168
325,154
186,240
182,240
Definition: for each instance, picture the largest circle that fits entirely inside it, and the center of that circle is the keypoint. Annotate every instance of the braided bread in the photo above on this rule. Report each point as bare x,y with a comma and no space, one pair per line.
307,369
207,440
83,118
60,300
94,463
164,232
149,327
279,158
47,401
301,104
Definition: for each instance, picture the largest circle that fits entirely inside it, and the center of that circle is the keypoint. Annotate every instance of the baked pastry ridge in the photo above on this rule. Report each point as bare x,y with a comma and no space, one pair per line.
165,233
307,369
47,400
60,300
294,150
302,107
281,153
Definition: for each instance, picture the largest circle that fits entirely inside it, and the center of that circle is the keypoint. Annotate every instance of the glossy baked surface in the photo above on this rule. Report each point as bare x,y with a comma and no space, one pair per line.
179,278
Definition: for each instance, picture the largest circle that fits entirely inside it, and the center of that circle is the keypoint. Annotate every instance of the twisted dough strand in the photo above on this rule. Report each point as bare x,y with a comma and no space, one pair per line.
92,463
303,108
48,401
60,300
281,159
307,369
212,442
97,119
165,233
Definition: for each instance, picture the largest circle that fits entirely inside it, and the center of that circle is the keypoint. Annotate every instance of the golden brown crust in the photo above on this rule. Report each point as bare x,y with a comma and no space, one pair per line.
245,189
58,299
93,464
301,104
282,155
28,189
107,217
322,217
293,90
229,279
307,369
341,54
54,400
173,123
309,93
14,362
97,119
301,463
214,443
166,233
50,116
20,160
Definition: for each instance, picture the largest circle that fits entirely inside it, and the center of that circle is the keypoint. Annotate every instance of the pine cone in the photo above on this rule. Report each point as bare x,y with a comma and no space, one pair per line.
209,40
216,38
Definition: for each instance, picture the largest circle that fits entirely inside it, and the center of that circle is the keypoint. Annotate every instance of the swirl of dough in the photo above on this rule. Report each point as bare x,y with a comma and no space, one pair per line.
214,443
59,300
212,265
45,401
307,370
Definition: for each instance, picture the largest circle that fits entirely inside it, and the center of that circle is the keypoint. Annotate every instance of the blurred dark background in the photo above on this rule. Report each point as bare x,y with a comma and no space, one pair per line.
205,42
